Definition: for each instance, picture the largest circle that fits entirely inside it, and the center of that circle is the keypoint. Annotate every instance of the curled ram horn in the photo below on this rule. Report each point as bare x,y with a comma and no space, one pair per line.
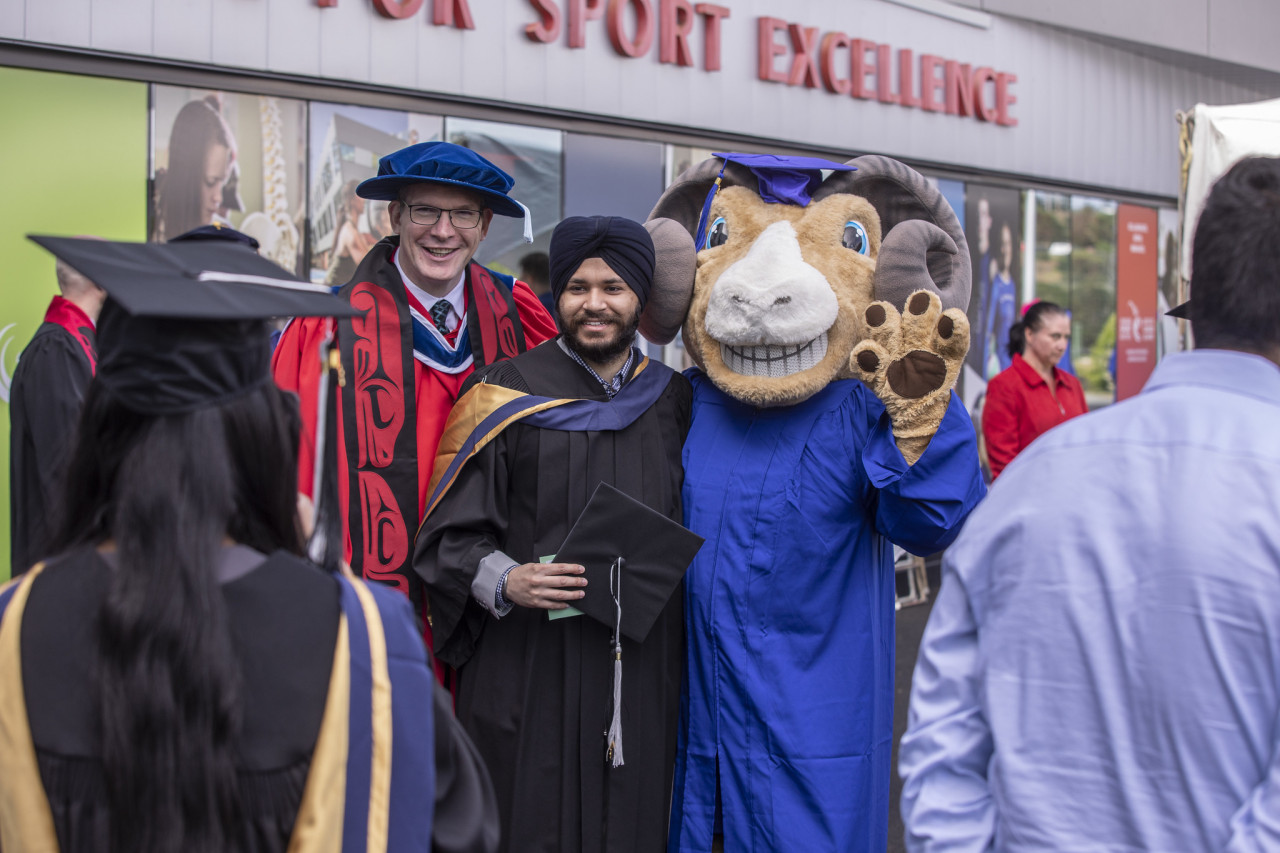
675,263
900,271
902,195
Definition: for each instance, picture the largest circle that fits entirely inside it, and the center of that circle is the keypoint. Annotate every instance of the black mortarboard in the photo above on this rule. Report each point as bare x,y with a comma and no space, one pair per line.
184,325
217,232
654,552
1182,311
634,557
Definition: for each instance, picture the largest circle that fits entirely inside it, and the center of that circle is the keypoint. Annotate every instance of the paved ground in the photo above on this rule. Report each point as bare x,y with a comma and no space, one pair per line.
911,621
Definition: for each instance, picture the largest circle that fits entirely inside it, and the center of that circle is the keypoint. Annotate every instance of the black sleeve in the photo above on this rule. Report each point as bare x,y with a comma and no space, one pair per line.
499,373
52,386
466,810
468,524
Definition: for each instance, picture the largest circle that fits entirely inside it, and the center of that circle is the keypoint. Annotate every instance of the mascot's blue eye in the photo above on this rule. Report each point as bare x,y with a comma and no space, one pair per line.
718,233
855,237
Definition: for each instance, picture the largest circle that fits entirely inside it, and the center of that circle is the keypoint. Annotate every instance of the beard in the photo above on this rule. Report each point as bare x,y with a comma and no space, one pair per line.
602,351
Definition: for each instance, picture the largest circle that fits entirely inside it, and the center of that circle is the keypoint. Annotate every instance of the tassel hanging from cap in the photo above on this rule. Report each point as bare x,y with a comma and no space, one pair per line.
528,221
614,737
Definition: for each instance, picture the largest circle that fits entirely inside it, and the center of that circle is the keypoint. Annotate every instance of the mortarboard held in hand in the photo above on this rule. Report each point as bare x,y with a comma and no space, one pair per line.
654,550
634,557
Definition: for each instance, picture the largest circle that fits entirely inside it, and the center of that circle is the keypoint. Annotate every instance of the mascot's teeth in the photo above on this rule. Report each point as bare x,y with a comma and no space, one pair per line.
773,360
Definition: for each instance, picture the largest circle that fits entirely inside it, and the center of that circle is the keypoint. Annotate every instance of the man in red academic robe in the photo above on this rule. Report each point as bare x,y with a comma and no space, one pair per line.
431,316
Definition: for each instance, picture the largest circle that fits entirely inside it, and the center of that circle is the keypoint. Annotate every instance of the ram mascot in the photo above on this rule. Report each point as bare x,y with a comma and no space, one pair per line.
826,319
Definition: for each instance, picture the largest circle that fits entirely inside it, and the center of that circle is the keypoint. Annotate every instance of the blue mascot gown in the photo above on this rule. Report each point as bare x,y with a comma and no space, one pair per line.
790,612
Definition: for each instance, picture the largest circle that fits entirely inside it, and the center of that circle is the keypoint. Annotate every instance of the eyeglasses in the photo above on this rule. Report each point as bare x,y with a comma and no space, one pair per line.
462,217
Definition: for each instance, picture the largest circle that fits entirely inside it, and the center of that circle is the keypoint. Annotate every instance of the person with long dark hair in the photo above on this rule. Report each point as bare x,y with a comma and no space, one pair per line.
188,678
1033,394
202,153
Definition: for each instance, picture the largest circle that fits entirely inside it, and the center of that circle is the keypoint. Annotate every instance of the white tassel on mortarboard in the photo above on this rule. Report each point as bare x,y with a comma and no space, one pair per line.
614,736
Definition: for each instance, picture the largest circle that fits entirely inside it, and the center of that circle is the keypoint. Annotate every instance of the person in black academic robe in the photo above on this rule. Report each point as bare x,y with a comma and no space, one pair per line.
48,390
283,616
535,693
178,676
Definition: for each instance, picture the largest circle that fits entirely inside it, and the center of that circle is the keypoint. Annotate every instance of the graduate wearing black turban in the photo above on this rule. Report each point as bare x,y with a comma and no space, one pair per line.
536,692
621,243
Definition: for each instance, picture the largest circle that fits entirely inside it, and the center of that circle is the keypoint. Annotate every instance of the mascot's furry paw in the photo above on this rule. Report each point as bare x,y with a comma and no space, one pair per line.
911,361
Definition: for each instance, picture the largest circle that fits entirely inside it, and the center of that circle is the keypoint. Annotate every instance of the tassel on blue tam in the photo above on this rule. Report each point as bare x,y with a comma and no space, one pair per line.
782,179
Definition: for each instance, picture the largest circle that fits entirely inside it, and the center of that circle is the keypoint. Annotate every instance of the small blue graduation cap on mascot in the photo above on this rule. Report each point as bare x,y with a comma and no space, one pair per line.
782,179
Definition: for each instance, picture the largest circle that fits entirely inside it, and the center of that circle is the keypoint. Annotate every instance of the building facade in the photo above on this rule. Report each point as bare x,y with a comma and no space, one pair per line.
1050,127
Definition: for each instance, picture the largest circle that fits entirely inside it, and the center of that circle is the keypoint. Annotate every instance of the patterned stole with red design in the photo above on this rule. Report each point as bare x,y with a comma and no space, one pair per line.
65,313
379,408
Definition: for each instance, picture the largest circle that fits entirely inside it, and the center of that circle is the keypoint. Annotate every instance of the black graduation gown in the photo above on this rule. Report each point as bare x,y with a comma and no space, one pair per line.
283,619
536,694
48,391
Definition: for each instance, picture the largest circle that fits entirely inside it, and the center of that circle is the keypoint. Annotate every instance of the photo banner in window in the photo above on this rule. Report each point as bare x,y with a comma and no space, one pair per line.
346,143
1137,297
533,157
993,229
230,158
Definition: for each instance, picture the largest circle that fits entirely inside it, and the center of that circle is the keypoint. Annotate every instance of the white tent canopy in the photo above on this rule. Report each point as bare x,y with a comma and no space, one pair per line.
1220,136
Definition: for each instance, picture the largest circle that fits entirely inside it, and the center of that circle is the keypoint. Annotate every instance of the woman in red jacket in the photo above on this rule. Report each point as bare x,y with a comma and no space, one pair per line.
1032,395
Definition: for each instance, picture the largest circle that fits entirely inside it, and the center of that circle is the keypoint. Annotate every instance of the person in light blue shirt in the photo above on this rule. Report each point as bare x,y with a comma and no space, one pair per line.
1101,670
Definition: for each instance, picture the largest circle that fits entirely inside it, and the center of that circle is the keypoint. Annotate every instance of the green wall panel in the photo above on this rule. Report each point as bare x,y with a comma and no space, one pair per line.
73,160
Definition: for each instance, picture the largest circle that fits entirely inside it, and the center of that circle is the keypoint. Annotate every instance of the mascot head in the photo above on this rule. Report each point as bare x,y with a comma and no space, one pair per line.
769,269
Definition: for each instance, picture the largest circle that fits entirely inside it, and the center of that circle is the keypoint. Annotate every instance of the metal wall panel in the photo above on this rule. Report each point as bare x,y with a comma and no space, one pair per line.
120,31
1237,31
1245,31
180,27
1174,24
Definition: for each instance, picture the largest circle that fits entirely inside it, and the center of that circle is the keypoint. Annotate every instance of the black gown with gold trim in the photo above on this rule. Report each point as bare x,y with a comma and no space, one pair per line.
535,694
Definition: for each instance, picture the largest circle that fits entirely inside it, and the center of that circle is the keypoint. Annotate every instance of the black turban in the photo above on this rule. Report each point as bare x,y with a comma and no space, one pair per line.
621,243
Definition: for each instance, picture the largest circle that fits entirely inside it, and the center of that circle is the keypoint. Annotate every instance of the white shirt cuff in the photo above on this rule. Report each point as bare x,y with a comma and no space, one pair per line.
484,588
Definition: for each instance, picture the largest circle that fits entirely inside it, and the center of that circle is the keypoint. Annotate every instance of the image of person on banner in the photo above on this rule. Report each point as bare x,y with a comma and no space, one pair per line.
429,316
992,227
201,159
550,695
1002,304
351,244
223,158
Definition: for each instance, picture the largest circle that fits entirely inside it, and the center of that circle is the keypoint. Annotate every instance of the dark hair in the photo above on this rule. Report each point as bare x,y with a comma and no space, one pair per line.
168,490
197,126
1032,319
1235,302
535,270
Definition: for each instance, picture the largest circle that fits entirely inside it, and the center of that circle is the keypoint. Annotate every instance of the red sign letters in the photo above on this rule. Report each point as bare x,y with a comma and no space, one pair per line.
787,53
864,69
